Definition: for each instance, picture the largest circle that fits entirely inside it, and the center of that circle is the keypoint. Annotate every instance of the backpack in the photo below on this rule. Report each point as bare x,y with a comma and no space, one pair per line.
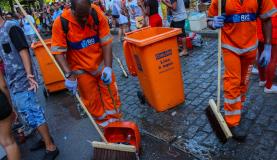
223,9
95,23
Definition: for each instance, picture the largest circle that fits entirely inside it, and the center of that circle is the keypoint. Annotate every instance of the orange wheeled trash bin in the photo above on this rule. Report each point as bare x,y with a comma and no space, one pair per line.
152,55
52,77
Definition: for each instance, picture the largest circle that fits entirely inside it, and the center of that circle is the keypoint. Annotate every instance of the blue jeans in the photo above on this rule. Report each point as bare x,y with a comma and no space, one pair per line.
29,109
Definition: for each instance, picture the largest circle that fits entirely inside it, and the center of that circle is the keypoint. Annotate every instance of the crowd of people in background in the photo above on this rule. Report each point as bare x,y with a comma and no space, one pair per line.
123,16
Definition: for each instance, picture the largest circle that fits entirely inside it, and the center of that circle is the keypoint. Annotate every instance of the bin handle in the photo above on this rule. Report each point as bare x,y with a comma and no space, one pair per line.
154,37
138,30
59,68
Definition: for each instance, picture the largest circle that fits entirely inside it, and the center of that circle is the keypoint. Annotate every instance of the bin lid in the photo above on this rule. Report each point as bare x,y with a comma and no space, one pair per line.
148,35
39,44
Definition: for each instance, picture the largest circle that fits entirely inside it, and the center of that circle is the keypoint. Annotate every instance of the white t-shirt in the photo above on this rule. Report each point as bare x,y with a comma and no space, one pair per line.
180,13
28,30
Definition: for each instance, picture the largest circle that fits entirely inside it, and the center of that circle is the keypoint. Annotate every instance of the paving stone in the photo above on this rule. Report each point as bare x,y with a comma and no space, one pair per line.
262,120
272,126
192,96
207,128
199,136
268,139
191,131
197,101
210,141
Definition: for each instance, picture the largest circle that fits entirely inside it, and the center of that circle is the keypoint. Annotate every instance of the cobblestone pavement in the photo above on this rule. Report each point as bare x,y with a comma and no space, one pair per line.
187,126
184,128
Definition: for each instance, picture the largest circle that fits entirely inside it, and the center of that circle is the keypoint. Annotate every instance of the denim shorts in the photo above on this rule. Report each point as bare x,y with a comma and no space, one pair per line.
29,108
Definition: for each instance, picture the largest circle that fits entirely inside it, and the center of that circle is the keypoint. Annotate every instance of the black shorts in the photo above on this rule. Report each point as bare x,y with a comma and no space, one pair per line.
115,16
179,24
5,107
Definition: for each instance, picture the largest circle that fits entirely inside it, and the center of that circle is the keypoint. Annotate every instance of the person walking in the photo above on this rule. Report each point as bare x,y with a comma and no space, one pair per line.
267,73
122,19
178,10
6,138
87,44
152,11
19,75
135,13
239,44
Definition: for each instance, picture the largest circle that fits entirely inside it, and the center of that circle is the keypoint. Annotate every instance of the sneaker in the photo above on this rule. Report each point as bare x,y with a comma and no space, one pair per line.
255,70
273,89
262,83
239,133
51,155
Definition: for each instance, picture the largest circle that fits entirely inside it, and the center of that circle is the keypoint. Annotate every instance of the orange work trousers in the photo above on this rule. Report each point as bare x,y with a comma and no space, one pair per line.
97,99
236,80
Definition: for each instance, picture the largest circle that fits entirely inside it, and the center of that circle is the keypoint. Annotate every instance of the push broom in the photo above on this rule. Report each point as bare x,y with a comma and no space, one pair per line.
102,150
215,118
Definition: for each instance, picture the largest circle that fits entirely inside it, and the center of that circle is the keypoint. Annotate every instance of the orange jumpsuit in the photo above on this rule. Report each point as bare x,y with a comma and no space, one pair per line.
239,45
84,53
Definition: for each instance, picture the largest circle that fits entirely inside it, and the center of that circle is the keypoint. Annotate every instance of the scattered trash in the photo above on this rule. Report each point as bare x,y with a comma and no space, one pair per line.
196,39
173,113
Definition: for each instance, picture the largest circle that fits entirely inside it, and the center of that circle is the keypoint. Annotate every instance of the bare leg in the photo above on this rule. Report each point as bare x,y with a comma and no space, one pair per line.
184,47
125,29
7,140
44,132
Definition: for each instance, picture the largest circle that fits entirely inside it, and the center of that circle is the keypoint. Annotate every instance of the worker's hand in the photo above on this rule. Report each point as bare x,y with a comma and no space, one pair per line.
32,82
265,56
71,85
107,75
218,22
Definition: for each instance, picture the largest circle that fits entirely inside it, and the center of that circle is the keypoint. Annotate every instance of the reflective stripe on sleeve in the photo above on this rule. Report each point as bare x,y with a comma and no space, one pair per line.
106,38
268,14
58,49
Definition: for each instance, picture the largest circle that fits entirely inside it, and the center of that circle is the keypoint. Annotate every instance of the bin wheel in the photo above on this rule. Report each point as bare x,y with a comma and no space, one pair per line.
141,97
46,93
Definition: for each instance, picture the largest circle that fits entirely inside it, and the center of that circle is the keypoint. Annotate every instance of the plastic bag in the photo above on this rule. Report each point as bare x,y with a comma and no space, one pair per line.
196,39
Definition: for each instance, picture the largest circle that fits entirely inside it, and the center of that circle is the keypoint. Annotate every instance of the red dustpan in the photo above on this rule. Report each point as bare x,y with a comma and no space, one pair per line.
122,132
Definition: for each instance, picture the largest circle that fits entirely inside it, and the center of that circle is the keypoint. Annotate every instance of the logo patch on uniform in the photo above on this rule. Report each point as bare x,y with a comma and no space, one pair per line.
84,43
243,17
236,18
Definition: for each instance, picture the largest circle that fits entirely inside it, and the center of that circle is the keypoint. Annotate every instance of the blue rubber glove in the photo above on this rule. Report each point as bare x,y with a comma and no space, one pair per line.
107,75
218,22
71,85
265,56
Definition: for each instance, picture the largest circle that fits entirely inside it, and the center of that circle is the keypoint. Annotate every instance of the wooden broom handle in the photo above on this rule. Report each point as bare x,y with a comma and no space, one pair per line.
219,59
55,62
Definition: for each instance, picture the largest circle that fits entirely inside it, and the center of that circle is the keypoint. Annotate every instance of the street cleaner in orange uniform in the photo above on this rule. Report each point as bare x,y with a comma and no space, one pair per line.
239,45
84,53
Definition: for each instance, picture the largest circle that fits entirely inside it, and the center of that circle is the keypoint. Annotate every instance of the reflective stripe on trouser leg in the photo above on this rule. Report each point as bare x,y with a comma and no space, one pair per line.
232,80
247,61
